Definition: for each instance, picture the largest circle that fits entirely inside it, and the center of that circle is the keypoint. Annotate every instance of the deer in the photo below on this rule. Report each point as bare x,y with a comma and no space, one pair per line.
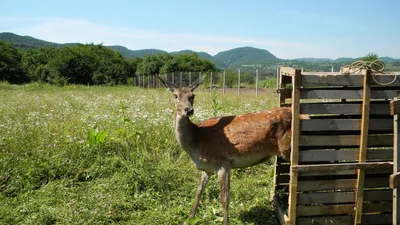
220,144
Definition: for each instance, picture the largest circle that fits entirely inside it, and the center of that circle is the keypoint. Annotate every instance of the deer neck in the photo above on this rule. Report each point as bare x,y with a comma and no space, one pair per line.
184,132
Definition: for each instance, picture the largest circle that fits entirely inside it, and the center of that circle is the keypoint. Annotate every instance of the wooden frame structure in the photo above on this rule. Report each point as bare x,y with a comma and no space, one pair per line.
342,156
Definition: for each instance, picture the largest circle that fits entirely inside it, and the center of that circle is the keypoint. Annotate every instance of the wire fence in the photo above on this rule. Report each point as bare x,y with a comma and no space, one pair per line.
225,81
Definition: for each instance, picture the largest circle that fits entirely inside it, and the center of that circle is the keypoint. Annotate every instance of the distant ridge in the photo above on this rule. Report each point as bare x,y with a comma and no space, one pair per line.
243,57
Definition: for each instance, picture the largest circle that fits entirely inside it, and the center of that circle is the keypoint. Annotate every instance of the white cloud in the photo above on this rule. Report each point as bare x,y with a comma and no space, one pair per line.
64,30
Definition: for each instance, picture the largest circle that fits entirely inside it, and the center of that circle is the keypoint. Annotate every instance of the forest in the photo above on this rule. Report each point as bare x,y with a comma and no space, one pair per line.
89,64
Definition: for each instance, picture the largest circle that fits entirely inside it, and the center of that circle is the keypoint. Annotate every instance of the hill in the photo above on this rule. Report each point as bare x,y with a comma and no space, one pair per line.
246,58
203,55
238,57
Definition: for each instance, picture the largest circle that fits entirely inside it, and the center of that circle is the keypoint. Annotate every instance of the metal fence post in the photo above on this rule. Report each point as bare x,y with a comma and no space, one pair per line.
238,91
211,81
256,83
223,82
180,79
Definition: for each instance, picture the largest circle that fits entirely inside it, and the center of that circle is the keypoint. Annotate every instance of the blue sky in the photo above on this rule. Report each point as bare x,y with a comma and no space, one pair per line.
288,29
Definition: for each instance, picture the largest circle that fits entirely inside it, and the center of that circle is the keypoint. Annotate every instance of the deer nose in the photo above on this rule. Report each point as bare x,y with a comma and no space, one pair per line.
189,111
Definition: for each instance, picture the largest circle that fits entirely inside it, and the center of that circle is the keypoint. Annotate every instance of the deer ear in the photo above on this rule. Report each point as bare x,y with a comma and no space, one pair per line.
196,83
167,84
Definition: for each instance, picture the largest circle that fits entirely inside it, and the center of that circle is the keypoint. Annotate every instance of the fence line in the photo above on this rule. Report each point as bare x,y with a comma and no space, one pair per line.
224,81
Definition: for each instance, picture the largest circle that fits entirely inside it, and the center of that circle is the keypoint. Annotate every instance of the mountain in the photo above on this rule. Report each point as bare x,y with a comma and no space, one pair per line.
246,58
25,42
315,59
238,57
134,54
203,55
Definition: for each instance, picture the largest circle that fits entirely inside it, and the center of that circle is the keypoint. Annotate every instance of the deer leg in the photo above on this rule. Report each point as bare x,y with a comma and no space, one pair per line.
224,183
200,189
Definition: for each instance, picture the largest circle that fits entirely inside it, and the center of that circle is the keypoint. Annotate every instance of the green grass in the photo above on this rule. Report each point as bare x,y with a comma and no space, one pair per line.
108,155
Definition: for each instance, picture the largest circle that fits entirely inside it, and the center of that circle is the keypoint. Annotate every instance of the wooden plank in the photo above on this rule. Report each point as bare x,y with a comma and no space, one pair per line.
287,71
348,108
362,157
283,218
346,94
338,155
345,124
285,173
339,184
294,156
335,79
396,161
342,197
340,173
395,107
372,219
342,166
345,140
342,209
394,180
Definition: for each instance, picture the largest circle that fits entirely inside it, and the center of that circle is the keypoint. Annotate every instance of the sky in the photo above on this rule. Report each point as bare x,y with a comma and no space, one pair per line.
286,28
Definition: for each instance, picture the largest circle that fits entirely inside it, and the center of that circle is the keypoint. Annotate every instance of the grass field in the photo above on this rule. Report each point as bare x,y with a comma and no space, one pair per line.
108,155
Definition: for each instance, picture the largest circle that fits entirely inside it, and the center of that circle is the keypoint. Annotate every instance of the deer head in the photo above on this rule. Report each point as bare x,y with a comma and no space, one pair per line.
183,96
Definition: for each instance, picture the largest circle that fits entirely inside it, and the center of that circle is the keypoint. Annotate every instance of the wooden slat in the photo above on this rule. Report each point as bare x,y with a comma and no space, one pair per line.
347,94
342,209
294,156
338,155
287,71
372,219
396,160
285,172
345,140
283,218
342,166
395,107
342,197
394,180
345,80
348,108
344,125
362,156
318,185
340,173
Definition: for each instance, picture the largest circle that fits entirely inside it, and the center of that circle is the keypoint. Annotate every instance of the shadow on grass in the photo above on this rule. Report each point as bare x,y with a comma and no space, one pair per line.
259,215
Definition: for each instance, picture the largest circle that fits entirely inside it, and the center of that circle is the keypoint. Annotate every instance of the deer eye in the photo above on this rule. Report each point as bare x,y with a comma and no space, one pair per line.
175,96
191,98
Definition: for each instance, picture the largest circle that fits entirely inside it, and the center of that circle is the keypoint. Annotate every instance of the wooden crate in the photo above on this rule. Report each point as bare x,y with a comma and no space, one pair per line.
342,156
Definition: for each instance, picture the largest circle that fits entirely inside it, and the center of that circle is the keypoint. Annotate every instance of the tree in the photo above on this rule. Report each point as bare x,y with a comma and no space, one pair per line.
152,64
35,63
371,58
10,64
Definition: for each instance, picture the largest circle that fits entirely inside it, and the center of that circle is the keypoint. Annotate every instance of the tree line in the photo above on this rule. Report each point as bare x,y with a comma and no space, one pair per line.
89,64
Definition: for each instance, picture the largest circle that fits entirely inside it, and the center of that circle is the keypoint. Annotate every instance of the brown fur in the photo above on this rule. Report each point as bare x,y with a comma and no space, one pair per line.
219,144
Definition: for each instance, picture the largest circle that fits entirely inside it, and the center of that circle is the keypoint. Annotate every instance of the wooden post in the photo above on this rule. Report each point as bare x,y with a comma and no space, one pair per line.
363,147
395,111
294,156
256,83
277,78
